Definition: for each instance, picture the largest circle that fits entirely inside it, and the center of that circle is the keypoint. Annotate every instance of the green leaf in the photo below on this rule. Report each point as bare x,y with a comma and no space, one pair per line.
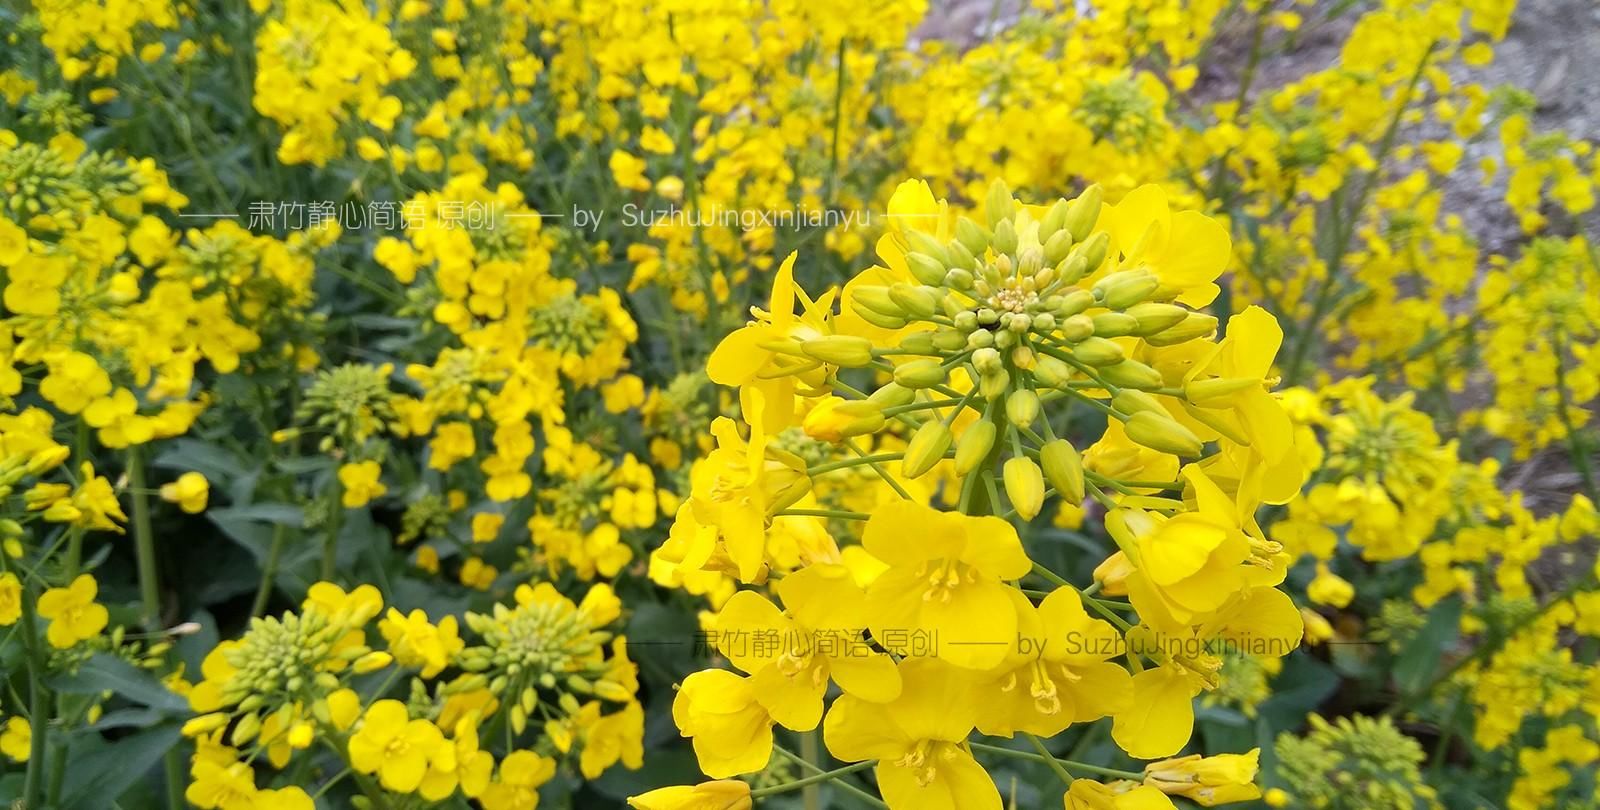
1416,666
99,777
104,672
286,514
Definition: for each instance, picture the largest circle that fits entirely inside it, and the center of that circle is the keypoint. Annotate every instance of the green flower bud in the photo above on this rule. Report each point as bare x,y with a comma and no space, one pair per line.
987,361
959,278
1093,251
992,386
1114,324
920,302
1083,212
1162,433
999,205
1057,247
926,269
891,395
1132,374
875,298
971,236
880,320
1097,351
917,343
974,446
1005,237
1072,303
1054,219
1200,391
1063,468
1050,372
1077,328
1196,325
981,339
1131,401
1022,407
846,351
922,242
927,446
1072,268
1024,486
1153,317
246,729
966,321
1125,288
960,257
919,374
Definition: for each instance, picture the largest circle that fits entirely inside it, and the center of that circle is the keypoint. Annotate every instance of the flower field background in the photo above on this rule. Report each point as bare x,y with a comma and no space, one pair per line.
1116,405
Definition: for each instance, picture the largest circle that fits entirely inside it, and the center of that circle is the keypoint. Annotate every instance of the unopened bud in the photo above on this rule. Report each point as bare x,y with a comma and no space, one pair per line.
1132,374
891,394
926,269
1093,251
1022,407
920,302
1153,317
1202,391
999,205
987,361
1005,237
1114,324
835,420
1196,325
974,446
1054,219
972,236
846,351
1073,303
1162,433
1130,402
1097,351
1125,288
1083,212
1063,468
875,298
1050,372
1024,486
993,385
927,446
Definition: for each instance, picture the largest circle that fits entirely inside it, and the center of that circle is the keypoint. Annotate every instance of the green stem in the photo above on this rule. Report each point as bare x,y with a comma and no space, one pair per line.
38,699
1049,759
330,543
1067,763
811,796
843,784
853,462
813,779
144,543
878,468
269,571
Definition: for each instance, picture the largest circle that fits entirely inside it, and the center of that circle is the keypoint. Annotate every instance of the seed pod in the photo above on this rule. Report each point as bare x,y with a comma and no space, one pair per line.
1114,324
920,302
845,351
974,446
919,374
1024,486
1132,374
926,269
927,446
1083,212
1063,468
1022,407
1097,351
1162,433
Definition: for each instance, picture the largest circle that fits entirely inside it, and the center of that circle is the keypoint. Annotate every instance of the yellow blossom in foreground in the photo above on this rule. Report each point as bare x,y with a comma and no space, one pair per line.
360,483
74,615
726,794
189,492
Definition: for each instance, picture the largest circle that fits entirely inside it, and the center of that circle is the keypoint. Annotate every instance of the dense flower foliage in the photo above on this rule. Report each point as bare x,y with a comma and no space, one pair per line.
681,404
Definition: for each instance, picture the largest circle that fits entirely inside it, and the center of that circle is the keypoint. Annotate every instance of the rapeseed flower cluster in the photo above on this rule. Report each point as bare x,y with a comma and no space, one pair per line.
518,404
